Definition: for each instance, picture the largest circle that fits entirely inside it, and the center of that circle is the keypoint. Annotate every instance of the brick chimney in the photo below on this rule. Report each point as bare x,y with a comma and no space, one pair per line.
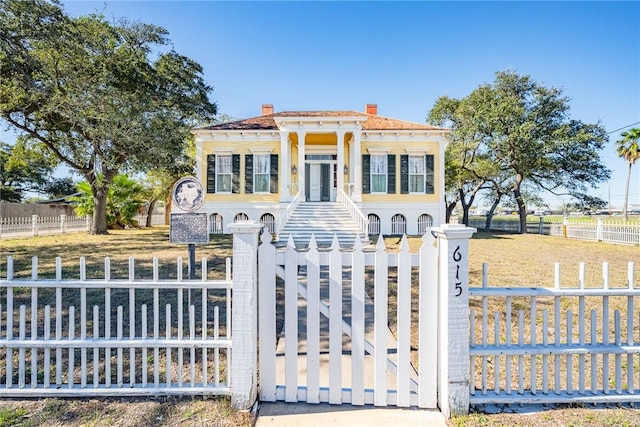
267,109
372,109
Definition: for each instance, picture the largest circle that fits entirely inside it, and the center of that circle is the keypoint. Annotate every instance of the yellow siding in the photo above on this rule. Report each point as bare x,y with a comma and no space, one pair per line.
396,147
240,148
400,148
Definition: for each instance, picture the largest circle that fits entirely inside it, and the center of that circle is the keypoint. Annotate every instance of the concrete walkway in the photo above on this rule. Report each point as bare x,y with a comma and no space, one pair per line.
324,415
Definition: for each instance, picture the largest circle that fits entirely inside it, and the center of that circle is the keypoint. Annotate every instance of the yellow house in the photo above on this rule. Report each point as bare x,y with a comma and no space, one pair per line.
387,173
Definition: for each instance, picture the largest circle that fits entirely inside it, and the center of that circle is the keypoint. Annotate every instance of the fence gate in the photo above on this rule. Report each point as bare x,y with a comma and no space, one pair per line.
347,327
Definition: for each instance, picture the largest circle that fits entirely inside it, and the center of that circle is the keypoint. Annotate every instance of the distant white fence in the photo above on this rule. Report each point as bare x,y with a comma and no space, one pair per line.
537,349
156,219
39,225
541,225
163,336
600,230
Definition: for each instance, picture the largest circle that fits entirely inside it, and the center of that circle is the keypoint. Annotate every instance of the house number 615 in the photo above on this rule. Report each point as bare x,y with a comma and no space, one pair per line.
457,257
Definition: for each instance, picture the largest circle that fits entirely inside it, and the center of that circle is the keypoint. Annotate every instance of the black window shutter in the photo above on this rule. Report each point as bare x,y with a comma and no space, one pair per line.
404,174
429,187
248,173
273,184
211,173
235,165
391,173
366,174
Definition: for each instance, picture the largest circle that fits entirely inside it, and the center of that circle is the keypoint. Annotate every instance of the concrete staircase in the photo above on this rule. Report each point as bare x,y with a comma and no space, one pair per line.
323,220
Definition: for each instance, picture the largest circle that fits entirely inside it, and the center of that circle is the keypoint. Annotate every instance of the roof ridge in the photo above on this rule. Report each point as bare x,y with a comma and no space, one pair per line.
372,122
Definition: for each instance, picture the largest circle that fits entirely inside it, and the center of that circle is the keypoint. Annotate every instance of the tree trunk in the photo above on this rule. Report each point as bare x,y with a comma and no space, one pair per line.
494,206
626,194
522,208
99,225
152,205
167,209
449,211
465,207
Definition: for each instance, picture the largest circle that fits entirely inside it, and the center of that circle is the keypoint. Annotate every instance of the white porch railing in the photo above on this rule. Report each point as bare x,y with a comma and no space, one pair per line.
354,211
286,214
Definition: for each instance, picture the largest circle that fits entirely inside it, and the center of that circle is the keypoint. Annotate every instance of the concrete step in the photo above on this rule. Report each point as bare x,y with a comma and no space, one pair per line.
323,220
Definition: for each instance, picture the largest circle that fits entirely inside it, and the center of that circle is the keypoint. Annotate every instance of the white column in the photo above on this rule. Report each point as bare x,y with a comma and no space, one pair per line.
357,166
351,168
244,327
285,165
453,318
301,175
340,183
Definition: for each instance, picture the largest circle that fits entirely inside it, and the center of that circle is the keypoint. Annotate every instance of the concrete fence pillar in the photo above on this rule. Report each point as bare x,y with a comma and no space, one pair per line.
34,225
244,314
541,226
63,223
453,318
599,230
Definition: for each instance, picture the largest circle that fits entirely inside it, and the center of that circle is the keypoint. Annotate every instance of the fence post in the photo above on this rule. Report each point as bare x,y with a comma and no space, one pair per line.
244,315
599,230
541,226
34,225
565,223
63,223
453,318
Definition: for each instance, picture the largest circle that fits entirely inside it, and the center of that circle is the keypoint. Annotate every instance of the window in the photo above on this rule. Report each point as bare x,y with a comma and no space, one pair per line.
416,174
224,173
261,173
378,174
215,224
241,217
374,224
424,221
269,221
398,224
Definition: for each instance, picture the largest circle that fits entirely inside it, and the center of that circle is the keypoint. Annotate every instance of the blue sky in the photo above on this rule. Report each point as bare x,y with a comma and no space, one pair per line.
403,55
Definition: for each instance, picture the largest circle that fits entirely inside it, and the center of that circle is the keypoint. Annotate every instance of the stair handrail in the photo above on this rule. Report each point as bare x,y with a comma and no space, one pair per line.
354,211
286,214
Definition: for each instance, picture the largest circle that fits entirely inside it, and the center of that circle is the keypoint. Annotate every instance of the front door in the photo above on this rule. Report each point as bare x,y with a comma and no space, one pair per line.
315,182
318,182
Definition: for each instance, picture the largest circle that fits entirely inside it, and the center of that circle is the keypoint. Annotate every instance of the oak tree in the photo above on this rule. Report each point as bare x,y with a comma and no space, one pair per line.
525,130
93,92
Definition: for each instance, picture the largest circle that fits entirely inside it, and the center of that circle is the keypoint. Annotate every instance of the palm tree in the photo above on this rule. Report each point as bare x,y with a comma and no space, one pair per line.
629,148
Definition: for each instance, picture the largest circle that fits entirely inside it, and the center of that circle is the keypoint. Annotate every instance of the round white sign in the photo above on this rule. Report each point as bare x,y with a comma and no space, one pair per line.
188,194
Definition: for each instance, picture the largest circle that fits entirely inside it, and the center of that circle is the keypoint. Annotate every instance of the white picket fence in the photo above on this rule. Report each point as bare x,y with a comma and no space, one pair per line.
108,336
528,351
156,219
601,230
541,225
36,225
330,287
